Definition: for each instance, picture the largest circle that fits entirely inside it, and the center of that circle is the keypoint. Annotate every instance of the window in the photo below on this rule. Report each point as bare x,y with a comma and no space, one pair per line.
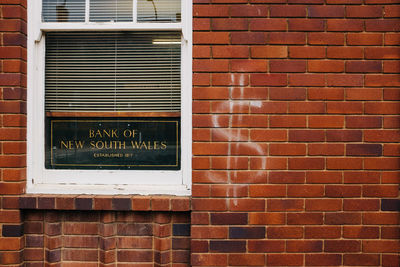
109,96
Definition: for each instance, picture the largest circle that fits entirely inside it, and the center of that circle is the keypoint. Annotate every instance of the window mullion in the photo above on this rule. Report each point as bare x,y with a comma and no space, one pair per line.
87,10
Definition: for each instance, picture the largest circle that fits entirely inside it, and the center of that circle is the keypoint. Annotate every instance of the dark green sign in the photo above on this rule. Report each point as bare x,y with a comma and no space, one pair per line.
113,143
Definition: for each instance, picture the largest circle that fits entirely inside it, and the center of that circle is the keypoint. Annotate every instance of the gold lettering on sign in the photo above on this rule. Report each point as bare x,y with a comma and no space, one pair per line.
110,133
72,144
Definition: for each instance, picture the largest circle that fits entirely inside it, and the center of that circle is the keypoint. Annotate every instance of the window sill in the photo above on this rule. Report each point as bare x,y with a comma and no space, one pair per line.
101,202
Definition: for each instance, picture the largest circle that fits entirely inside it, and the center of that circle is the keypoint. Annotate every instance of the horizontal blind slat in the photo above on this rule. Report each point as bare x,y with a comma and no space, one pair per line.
140,72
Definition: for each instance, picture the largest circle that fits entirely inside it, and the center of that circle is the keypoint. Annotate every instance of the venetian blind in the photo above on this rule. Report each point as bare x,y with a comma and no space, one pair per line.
113,71
159,10
63,10
111,10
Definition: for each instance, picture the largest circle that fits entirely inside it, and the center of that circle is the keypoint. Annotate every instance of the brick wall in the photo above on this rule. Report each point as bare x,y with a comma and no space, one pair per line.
295,133
295,145
12,127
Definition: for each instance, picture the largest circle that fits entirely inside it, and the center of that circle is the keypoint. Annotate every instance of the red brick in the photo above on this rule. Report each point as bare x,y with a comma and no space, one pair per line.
364,11
246,204
211,11
287,66
248,65
210,121
364,38
287,149
364,260
230,51
265,246
323,177
249,37
344,107
306,135
325,38
209,204
287,121
343,218
223,163
325,66
248,11
386,80
391,67
363,66
307,25
322,232
392,38
326,121
340,25
381,163
307,218
342,191
201,24
210,177
381,246
201,79
308,107
287,93
268,107
286,232
269,51
268,79
306,80
361,204
229,135
325,94
275,218
304,246
249,93
342,246
306,163
268,163
288,11
210,149
379,25
380,191
243,177
390,260
287,38
285,205
257,121
344,163
362,177
229,107
267,191
381,108
323,204
230,79
308,191
246,259
225,24
206,65
229,191
210,38
382,53
326,11
291,177
391,94
361,232
306,52
267,24
209,259
285,259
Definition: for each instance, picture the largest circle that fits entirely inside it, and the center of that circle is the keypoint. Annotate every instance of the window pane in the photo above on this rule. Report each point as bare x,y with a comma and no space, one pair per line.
159,11
113,71
111,10
63,10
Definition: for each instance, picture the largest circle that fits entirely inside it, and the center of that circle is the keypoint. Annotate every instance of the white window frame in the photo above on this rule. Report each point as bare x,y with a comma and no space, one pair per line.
107,182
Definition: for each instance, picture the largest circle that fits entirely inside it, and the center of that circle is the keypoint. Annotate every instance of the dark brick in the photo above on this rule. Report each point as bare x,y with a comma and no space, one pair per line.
83,203
181,229
46,203
364,150
27,203
390,204
246,232
135,229
34,241
229,218
53,255
122,204
228,246
13,230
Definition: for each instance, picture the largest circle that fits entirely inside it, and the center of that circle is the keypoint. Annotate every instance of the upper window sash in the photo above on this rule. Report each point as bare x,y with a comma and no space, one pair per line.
112,11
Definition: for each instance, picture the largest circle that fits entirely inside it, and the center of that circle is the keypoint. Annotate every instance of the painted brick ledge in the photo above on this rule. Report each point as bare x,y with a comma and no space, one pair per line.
98,202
